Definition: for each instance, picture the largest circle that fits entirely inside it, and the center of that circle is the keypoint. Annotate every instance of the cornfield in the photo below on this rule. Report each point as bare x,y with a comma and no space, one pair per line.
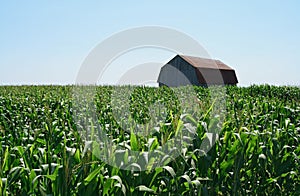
44,149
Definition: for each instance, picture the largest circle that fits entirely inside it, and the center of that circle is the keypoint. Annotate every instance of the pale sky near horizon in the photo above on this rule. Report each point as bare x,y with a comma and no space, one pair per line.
45,42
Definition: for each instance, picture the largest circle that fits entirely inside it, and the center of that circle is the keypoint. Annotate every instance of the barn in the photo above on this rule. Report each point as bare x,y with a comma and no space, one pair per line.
189,70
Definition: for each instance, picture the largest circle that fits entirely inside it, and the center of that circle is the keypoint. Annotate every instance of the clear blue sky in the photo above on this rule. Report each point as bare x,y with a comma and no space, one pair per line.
44,42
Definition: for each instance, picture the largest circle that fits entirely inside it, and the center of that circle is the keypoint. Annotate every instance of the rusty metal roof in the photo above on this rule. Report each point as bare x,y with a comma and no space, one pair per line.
205,63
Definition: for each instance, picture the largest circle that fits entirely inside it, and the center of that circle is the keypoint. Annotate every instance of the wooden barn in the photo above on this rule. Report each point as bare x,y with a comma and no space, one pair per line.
188,70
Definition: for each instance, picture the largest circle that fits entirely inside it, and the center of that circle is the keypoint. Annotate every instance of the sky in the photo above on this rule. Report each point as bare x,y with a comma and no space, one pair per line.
46,42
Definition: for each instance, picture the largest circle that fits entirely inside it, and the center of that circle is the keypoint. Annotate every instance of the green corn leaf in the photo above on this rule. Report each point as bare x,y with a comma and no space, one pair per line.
92,175
170,170
133,142
143,188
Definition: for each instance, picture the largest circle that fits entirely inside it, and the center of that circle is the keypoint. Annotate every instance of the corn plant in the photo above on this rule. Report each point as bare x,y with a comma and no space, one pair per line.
45,152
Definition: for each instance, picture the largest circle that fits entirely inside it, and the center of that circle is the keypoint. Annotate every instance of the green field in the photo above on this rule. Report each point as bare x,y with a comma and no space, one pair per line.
44,150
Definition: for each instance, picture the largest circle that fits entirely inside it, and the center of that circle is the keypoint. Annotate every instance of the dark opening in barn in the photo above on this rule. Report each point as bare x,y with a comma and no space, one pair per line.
188,70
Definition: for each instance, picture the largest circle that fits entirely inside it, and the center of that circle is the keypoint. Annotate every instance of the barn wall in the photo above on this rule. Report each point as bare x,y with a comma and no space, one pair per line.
210,76
218,77
229,77
178,73
171,76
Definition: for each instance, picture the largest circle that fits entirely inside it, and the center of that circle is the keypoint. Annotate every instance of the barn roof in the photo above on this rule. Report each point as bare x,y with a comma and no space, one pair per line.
205,63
